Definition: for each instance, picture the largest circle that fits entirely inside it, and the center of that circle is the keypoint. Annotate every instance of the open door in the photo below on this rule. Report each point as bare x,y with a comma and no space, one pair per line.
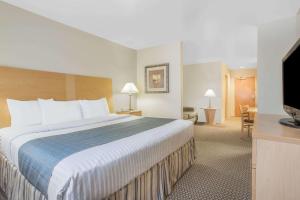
244,93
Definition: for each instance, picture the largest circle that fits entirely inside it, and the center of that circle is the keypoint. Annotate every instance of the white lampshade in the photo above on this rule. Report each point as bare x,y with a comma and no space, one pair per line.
129,88
210,93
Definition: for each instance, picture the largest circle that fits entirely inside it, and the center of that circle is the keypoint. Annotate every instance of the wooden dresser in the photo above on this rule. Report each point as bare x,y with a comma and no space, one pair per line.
275,160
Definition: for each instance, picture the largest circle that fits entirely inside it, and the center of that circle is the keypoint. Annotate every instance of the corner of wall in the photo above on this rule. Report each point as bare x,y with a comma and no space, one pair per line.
197,79
181,78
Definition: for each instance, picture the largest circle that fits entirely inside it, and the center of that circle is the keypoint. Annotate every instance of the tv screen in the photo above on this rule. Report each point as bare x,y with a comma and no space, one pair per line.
291,78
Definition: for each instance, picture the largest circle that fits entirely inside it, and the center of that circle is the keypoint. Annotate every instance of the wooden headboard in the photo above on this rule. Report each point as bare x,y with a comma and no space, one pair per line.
24,84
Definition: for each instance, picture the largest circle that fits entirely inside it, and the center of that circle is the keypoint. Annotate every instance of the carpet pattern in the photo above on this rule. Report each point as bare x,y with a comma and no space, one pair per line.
222,170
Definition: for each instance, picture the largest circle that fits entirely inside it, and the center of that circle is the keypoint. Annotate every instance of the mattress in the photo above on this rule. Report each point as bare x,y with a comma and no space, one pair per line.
98,171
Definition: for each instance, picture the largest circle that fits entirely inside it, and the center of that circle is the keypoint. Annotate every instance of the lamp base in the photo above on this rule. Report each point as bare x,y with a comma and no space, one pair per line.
130,109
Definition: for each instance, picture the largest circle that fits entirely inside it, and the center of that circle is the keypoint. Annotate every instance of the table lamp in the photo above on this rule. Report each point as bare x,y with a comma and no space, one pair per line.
210,93
130,88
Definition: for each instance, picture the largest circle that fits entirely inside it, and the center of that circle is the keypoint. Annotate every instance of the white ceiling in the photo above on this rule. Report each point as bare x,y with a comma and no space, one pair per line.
211,30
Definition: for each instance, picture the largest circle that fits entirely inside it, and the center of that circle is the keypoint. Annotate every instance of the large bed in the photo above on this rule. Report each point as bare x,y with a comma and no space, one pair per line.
108,157
160,154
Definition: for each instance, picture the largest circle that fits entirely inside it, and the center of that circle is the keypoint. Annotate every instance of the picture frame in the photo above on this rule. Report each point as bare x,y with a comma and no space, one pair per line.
157,78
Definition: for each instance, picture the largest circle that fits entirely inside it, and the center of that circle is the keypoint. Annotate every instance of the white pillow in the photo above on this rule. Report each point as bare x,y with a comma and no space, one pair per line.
24,113
94,108
54,112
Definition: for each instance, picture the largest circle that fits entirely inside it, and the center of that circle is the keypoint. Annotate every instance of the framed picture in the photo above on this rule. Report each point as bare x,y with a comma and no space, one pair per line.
157,78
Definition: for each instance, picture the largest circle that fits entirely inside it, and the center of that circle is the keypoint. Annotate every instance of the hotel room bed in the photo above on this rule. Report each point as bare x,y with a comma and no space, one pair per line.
113,157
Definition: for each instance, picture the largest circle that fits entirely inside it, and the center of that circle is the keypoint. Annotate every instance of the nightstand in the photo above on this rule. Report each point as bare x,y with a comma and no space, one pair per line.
133,112
210,115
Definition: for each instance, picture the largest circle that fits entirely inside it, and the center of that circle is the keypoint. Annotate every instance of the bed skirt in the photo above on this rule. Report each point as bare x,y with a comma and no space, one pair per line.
155,183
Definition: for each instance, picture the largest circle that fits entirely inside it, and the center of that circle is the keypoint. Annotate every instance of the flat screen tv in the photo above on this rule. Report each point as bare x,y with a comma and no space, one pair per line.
291,85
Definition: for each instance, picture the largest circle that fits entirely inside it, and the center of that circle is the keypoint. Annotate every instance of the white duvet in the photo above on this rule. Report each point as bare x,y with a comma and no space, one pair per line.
99,171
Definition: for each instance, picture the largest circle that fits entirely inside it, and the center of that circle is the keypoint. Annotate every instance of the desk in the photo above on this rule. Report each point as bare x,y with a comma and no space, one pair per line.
275,159
252,110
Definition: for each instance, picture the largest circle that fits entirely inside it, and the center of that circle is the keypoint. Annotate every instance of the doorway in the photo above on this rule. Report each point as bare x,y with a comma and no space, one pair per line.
245,93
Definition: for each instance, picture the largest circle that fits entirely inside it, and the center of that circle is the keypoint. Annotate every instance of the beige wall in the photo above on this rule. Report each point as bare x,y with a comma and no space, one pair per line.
274,41
31,41
161,104
197,78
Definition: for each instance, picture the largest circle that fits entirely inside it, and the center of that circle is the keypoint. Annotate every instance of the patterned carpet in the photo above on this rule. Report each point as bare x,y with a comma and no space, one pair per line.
222,170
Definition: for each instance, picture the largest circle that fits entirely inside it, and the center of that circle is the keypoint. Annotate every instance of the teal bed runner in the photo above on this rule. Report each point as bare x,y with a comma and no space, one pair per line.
38,157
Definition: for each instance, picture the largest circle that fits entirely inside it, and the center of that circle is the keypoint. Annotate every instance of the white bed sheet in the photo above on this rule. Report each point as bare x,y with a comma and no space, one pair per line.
99,171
